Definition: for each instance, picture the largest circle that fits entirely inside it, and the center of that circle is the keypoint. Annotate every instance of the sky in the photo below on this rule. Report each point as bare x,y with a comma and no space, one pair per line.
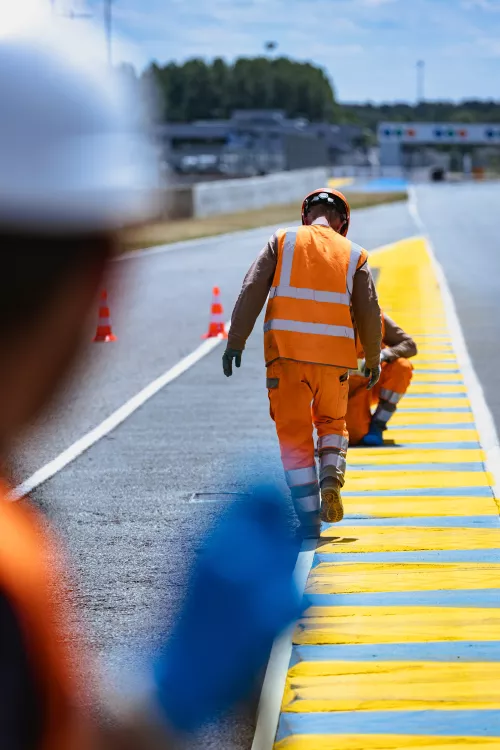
369,48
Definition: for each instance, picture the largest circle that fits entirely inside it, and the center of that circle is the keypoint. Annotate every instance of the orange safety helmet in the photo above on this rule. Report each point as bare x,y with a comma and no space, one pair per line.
329,197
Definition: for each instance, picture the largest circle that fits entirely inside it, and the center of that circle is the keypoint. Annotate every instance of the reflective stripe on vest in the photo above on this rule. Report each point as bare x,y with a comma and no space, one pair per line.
320,329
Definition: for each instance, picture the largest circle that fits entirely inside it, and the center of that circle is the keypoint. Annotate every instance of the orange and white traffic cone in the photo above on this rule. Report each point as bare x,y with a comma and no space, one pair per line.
104,332
216,327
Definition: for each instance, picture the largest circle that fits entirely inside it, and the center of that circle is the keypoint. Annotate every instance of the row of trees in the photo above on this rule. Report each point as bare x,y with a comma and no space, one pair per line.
200,90
369,115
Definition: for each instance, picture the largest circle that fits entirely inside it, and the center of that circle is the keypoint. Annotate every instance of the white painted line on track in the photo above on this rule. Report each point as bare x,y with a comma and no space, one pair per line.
271,696
488,435
116,418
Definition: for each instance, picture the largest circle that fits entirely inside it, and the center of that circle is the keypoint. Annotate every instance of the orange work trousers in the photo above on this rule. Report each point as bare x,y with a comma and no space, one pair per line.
393,384
303,396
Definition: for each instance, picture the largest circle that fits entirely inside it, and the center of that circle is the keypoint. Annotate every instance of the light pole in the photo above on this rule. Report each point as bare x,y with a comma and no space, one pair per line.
420,81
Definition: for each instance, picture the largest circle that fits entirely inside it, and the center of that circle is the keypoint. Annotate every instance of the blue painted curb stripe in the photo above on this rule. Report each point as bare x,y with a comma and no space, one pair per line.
426,492
488,556
485,723
473,467
488,599
446,651
443,522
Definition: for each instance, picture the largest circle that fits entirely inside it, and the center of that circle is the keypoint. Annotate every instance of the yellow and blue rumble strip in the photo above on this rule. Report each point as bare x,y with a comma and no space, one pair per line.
400,646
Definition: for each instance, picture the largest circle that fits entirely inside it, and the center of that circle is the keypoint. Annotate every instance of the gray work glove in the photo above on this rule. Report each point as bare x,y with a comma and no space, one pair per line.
227,360
373,374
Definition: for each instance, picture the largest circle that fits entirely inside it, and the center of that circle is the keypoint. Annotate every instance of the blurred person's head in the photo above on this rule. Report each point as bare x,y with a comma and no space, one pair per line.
328,204
74,170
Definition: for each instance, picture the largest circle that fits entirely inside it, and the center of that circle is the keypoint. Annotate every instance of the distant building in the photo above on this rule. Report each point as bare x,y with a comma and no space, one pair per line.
254,142
455,146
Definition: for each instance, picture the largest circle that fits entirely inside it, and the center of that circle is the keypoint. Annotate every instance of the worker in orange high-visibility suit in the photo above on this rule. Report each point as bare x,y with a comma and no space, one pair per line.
318,282
365,428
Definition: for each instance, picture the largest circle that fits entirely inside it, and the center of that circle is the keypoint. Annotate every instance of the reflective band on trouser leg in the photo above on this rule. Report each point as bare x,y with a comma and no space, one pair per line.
301,477
384,412
332,465
391,396
333,441
304,487
309,503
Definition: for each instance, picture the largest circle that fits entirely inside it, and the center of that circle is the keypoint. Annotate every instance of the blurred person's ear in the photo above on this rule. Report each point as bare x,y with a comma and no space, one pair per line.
36,360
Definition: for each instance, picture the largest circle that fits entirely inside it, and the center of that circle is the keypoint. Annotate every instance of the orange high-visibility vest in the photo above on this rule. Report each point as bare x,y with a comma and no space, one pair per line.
308,316
30,580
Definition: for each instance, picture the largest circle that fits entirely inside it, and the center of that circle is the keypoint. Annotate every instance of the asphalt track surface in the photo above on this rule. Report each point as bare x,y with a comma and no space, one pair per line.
124,506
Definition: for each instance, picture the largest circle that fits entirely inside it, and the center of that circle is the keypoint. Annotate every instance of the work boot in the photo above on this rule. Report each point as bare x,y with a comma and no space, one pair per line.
332,510
375,436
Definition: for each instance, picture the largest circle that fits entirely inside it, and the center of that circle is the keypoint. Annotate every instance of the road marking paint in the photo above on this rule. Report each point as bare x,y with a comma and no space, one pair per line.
443,651
377,577
398,625
407,538
114,420
484,556
351,686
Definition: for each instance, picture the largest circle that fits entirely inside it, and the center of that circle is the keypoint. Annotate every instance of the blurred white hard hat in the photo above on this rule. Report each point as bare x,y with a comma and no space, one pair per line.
72,155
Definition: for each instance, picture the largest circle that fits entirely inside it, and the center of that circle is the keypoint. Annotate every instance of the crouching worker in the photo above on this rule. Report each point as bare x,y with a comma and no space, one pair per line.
397,348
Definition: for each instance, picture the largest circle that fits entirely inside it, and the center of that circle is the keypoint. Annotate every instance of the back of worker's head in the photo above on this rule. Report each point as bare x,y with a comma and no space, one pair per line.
74,170
329,204
333,216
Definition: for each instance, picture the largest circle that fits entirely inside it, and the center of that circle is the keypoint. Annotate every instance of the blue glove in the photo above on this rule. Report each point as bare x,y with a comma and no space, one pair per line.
240,596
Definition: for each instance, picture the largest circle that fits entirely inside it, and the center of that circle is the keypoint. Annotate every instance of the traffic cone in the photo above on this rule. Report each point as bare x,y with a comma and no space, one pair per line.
104,333
216,327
